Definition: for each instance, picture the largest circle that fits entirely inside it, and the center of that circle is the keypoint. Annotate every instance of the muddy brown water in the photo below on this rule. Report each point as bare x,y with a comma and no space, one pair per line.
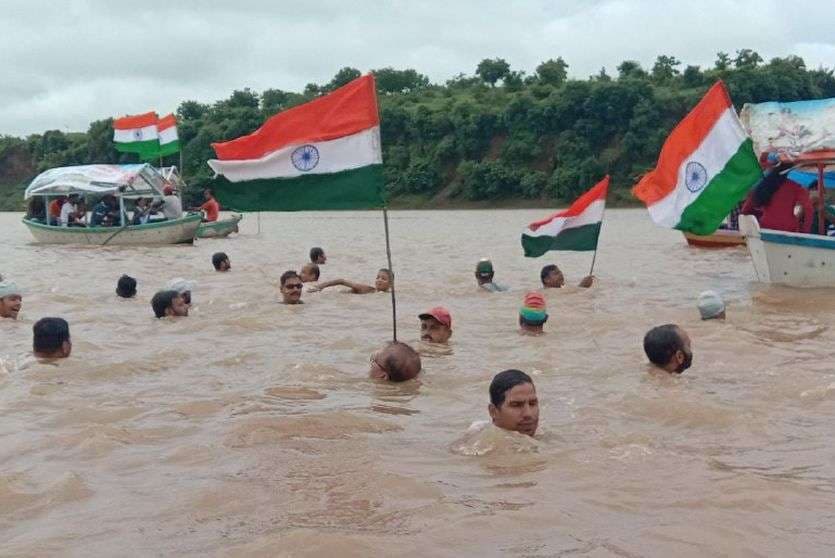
250,428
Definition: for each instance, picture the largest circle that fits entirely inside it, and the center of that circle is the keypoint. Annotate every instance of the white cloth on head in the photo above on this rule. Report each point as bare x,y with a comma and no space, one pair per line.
711,305
180,285
7,288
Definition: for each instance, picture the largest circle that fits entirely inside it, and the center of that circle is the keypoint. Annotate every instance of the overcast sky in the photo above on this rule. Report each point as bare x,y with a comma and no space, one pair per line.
65,63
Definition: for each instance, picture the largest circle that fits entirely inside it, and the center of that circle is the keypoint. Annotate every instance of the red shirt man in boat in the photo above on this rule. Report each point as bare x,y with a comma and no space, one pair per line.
774,199
210,207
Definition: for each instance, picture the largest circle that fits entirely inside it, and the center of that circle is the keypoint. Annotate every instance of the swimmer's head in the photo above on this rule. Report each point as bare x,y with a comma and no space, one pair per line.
668,347
221,262
395,362
291,287
309,273
383,280
551,277
317,256
513,402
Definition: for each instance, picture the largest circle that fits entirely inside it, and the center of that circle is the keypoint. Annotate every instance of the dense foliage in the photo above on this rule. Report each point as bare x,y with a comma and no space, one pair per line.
493,135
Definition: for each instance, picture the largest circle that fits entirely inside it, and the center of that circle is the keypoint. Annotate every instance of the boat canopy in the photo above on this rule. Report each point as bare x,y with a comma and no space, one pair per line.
130,181
790,128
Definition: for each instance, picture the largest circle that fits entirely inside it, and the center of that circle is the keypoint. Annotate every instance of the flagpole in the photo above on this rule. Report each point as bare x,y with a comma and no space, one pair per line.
602,219
391,276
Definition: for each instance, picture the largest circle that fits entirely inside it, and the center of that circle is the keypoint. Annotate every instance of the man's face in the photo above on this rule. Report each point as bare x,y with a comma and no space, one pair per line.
376,369
684,357
483,278
178,307
225,265
10,306
519,411
291,291
383,281
207,195
321,258
554,280
433,331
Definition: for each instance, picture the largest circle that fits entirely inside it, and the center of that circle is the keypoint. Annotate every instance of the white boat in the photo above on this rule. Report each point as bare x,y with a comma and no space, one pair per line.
124,182
788,258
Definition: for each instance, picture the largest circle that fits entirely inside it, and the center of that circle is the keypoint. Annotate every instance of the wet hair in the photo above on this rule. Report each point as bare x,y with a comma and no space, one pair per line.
546,271
218,258
287,275
523,321
314,268
504,382
661,343
49,334
388,272
126,286
316,253
768,186
398,359
162,301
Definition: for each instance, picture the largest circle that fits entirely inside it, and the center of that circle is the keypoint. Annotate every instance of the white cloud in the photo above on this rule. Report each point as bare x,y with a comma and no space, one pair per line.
66,64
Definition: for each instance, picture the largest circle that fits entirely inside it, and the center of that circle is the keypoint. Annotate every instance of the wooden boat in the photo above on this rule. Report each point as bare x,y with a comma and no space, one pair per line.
220,228
722,238
176,231
124,182
796,259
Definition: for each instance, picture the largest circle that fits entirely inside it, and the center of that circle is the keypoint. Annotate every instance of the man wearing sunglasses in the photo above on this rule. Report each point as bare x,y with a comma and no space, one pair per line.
291,288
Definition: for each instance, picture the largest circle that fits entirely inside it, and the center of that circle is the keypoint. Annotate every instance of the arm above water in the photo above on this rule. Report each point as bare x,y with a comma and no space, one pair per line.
586,282
356,288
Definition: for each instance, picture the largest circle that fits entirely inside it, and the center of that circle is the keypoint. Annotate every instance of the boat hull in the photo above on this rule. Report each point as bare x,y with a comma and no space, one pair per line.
179,231
795,259
719,239
220,228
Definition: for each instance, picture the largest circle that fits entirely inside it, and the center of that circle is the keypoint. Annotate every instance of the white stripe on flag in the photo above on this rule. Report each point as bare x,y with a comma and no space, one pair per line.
168,135
148,133
345,153
592,214
713,153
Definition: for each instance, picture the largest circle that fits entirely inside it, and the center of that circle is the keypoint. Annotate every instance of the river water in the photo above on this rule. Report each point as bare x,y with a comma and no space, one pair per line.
250,427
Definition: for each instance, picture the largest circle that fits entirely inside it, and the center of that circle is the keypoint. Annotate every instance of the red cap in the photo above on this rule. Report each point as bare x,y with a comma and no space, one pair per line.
534,300
168,190
439,313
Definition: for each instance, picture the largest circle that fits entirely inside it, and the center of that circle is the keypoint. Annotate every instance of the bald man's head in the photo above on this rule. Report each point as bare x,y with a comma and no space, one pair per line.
396,362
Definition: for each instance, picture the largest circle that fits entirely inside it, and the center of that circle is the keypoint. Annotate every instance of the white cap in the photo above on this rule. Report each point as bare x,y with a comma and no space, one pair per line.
180,285
710,305
7,288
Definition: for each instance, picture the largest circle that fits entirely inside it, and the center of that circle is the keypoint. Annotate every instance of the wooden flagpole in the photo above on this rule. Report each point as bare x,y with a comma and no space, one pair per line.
602,219
391,276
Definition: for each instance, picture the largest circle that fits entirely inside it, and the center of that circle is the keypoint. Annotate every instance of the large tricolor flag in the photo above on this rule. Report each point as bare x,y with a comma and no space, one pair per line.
169,142
706,167
137,134
576,228
324,154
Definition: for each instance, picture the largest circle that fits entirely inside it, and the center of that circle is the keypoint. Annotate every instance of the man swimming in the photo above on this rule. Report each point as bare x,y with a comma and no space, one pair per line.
395,362
126,286
309,273
513,402
381,284
317,256
435,325
484,276
51,338
221,262
532,314
169,304
552,278
290,286
668,348
711,306
184,287
11,300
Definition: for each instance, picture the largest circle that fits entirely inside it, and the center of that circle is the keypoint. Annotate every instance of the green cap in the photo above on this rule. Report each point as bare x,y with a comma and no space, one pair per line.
484,267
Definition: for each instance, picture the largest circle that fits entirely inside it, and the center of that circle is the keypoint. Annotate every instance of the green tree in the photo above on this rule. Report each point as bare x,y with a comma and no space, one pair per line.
631,69
747,58
343,77
491,70
391,81
664,68
552,72
723,61
692,77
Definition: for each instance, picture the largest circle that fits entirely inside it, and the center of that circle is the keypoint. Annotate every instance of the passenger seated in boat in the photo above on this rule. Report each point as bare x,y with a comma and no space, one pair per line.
169,304
317,256
69,210
79,217
829,211
36,210
668,348
141,211
381,284
309,273
773,203
552,278
210,208
396,362
171,206
106,213
51,338
54,212
221,261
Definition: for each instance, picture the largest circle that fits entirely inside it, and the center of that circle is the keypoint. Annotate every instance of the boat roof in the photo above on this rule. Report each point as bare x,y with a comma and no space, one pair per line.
120,180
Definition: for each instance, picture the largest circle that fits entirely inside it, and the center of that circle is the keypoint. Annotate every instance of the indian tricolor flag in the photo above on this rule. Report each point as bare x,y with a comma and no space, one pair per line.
706,167
324,154
169,142
576,228
136,134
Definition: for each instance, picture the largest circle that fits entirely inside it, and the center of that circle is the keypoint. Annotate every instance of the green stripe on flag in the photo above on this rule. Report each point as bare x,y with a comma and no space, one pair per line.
723,193
169,148
353,189
578,239
150,146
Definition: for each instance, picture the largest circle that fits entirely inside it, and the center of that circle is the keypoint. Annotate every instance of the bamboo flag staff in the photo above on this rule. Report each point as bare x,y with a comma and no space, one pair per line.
576,228
391,276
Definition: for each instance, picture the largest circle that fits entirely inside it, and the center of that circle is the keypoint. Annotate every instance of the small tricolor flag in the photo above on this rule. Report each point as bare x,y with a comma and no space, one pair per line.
147,135
324,154
576,228
706,167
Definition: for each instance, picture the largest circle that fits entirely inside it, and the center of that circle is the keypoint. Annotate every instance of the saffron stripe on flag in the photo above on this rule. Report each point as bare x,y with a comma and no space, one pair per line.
135,121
